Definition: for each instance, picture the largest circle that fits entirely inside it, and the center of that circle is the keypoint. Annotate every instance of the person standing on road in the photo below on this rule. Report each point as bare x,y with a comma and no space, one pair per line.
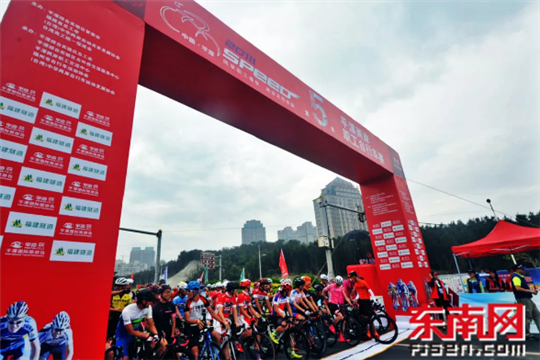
474,284
524,294
438,292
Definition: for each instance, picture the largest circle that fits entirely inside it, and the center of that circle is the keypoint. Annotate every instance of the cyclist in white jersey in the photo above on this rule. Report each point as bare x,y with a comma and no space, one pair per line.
56,339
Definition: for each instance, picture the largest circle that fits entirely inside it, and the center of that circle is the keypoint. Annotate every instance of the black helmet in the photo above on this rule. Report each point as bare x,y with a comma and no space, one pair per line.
353,273
162,282
231,286
318,287
299,282
145,294
163,288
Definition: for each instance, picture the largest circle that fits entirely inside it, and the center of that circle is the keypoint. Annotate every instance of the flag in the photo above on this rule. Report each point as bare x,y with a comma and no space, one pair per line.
202,276
132,276
206,274
243,274
165,273
283,266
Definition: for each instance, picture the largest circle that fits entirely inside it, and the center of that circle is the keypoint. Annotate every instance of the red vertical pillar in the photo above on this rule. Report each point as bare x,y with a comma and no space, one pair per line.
398,247
68,81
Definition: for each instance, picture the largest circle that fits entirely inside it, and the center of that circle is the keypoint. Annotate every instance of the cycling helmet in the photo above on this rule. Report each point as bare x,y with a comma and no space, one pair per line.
163,288
269,281
286,286
231,286
339,280
353,273
121,281
306,279
318,287
162,282
218,285
17,310
145,294
61,321
224,285
193,285
391,285
154,289
286,281
265,281
182,285
324,277
298,282
246,283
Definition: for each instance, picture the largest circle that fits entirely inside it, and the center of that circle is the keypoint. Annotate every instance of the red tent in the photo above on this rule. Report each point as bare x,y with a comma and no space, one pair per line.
505,238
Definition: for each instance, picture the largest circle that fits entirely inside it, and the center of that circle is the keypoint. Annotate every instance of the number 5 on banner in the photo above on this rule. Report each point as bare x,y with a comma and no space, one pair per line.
314,98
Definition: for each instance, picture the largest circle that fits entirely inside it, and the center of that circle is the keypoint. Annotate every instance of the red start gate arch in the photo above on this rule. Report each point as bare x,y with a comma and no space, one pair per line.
69,74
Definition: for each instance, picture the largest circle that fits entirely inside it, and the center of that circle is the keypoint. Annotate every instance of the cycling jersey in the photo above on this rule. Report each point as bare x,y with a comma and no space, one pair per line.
348,286
196,309
179,302
163,313
244,300
261,295
412,289
295,297
402,288
134,316
336,294
15,341
319,299
46,336
362,288
227,302
281,301
120,301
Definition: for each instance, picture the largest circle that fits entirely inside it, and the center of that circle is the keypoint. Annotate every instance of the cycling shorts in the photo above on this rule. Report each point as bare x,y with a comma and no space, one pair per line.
192,334
219,327
364,307
124,341
276,320
58,352
333,308
243,321
15,353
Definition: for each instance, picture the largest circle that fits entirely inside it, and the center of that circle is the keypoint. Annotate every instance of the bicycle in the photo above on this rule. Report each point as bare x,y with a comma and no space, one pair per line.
315,334
259,345
293,339
117,353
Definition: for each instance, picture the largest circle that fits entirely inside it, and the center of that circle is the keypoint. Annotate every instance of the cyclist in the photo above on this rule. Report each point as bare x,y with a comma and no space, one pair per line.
308,294
324,280
319,298
15,328
195,314
362,291
121,297
261,298
403,294
155,290
296,299
412,292
247,313
216,293
392,292
129,325
56,339
165,313
336,298
181,298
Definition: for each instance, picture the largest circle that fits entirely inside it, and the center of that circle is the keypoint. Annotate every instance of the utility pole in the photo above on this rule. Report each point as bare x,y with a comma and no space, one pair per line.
260,268
323,204
157,267
220,267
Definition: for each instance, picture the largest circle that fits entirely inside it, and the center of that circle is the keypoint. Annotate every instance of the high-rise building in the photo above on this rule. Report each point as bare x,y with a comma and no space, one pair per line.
342,193
253,231
145,256
304,233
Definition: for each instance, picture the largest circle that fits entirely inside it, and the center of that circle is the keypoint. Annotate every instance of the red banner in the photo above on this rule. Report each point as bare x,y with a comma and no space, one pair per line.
283,265
67,93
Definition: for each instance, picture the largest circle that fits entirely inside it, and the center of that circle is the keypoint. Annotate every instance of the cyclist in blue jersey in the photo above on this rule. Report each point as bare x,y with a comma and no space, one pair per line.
56,339
15,328
403,294
412,294
182,297
297,300
129,326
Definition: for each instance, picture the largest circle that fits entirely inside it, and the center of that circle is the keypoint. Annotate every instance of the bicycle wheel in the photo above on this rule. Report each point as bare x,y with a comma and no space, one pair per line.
211,352
316,337
296,341
332,335
383,329
260,345
352,332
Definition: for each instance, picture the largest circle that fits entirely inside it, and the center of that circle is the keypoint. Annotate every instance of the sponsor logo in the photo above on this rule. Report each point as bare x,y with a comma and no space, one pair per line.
401,240
92,133
42,180
391,247
379,243
17,110
397,228
72,229
404,252
51,140
87,169
6,196
389,235
386,223
37,202
71,251
394,259
80,208
12,151
16,244
420,264
382,254
60,105
30,249
385,267
29,224
376,231
406,265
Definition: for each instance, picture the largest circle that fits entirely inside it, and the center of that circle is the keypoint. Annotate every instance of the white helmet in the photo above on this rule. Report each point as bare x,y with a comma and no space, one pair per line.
286,281
339,280
224,285
121,281
182,285
218,284
324,277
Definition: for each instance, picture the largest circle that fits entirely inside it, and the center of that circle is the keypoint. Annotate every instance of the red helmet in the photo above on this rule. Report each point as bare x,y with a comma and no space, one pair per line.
286,286
245,283
264,281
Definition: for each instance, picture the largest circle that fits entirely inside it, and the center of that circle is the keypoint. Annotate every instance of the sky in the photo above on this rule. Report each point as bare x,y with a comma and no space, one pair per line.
453,87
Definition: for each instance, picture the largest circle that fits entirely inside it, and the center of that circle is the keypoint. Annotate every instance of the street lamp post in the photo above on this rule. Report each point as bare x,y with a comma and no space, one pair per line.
322,204
260,267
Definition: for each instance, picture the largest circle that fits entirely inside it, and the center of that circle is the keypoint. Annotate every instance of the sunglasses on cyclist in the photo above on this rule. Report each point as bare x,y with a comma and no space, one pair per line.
59,330
18,322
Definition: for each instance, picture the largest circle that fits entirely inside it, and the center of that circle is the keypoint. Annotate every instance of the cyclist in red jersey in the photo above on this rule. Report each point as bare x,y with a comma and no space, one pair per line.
247,313
261,296
227,305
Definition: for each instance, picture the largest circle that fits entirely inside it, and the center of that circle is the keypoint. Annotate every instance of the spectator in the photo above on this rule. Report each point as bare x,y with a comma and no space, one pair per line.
438,291
509,286
474,284
494,283
524,294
